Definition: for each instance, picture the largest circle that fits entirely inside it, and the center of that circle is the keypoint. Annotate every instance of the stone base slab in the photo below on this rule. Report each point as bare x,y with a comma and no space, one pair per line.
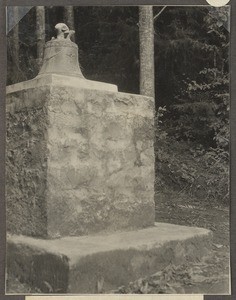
78,264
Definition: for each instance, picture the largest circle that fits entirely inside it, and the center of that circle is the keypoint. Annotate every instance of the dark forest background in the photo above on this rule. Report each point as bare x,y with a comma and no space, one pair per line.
191,84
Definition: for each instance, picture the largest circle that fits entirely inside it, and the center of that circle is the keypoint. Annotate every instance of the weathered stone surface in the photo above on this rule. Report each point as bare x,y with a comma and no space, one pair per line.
75,264
61,57
86,160
60,80
61,54
26,162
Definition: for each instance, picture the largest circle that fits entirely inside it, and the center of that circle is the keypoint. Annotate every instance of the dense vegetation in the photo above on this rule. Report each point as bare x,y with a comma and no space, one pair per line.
192,83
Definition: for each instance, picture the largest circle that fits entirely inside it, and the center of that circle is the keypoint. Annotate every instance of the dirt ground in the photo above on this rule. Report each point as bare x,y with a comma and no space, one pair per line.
211,275
208,276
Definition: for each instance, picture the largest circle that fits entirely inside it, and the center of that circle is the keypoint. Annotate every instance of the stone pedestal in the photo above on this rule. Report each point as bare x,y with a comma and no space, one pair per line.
80,158
76,264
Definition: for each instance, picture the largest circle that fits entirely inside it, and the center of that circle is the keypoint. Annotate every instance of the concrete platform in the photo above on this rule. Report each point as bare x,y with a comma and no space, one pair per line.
78,264
61,80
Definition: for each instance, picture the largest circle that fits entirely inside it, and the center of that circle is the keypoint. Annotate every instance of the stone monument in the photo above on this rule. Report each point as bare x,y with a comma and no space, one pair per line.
80,182
86,158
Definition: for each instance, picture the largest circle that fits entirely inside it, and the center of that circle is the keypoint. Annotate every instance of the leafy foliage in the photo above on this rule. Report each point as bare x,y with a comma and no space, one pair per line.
189,168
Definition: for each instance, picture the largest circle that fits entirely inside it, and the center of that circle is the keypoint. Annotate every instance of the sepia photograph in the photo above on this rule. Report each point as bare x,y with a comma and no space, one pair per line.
117,161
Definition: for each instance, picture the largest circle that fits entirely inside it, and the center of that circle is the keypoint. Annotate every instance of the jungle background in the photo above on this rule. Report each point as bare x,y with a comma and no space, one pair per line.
191,61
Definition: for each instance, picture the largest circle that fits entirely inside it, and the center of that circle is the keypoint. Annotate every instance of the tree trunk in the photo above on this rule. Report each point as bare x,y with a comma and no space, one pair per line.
15,39
69,18
146,40
40,32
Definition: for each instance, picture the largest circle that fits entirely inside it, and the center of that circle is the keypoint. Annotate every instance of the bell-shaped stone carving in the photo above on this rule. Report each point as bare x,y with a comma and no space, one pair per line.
61,54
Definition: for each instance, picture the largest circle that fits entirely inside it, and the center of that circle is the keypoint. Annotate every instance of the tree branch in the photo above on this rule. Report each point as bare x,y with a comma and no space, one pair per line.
157,15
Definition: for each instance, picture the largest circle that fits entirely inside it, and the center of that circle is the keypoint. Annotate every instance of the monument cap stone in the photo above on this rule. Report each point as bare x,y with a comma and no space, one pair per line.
61,54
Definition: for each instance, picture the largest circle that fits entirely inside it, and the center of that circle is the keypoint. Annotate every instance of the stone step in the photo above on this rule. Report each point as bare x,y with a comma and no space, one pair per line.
78,264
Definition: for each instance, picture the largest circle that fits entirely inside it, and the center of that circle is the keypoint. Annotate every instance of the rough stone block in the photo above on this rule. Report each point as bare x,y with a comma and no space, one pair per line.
79,160
76,264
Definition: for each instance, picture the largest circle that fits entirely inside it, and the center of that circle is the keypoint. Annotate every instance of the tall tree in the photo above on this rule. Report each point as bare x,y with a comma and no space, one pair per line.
40,32
146,37
69,16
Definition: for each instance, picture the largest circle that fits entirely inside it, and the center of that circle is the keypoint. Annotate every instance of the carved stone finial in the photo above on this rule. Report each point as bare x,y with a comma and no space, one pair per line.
63,31
61,54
